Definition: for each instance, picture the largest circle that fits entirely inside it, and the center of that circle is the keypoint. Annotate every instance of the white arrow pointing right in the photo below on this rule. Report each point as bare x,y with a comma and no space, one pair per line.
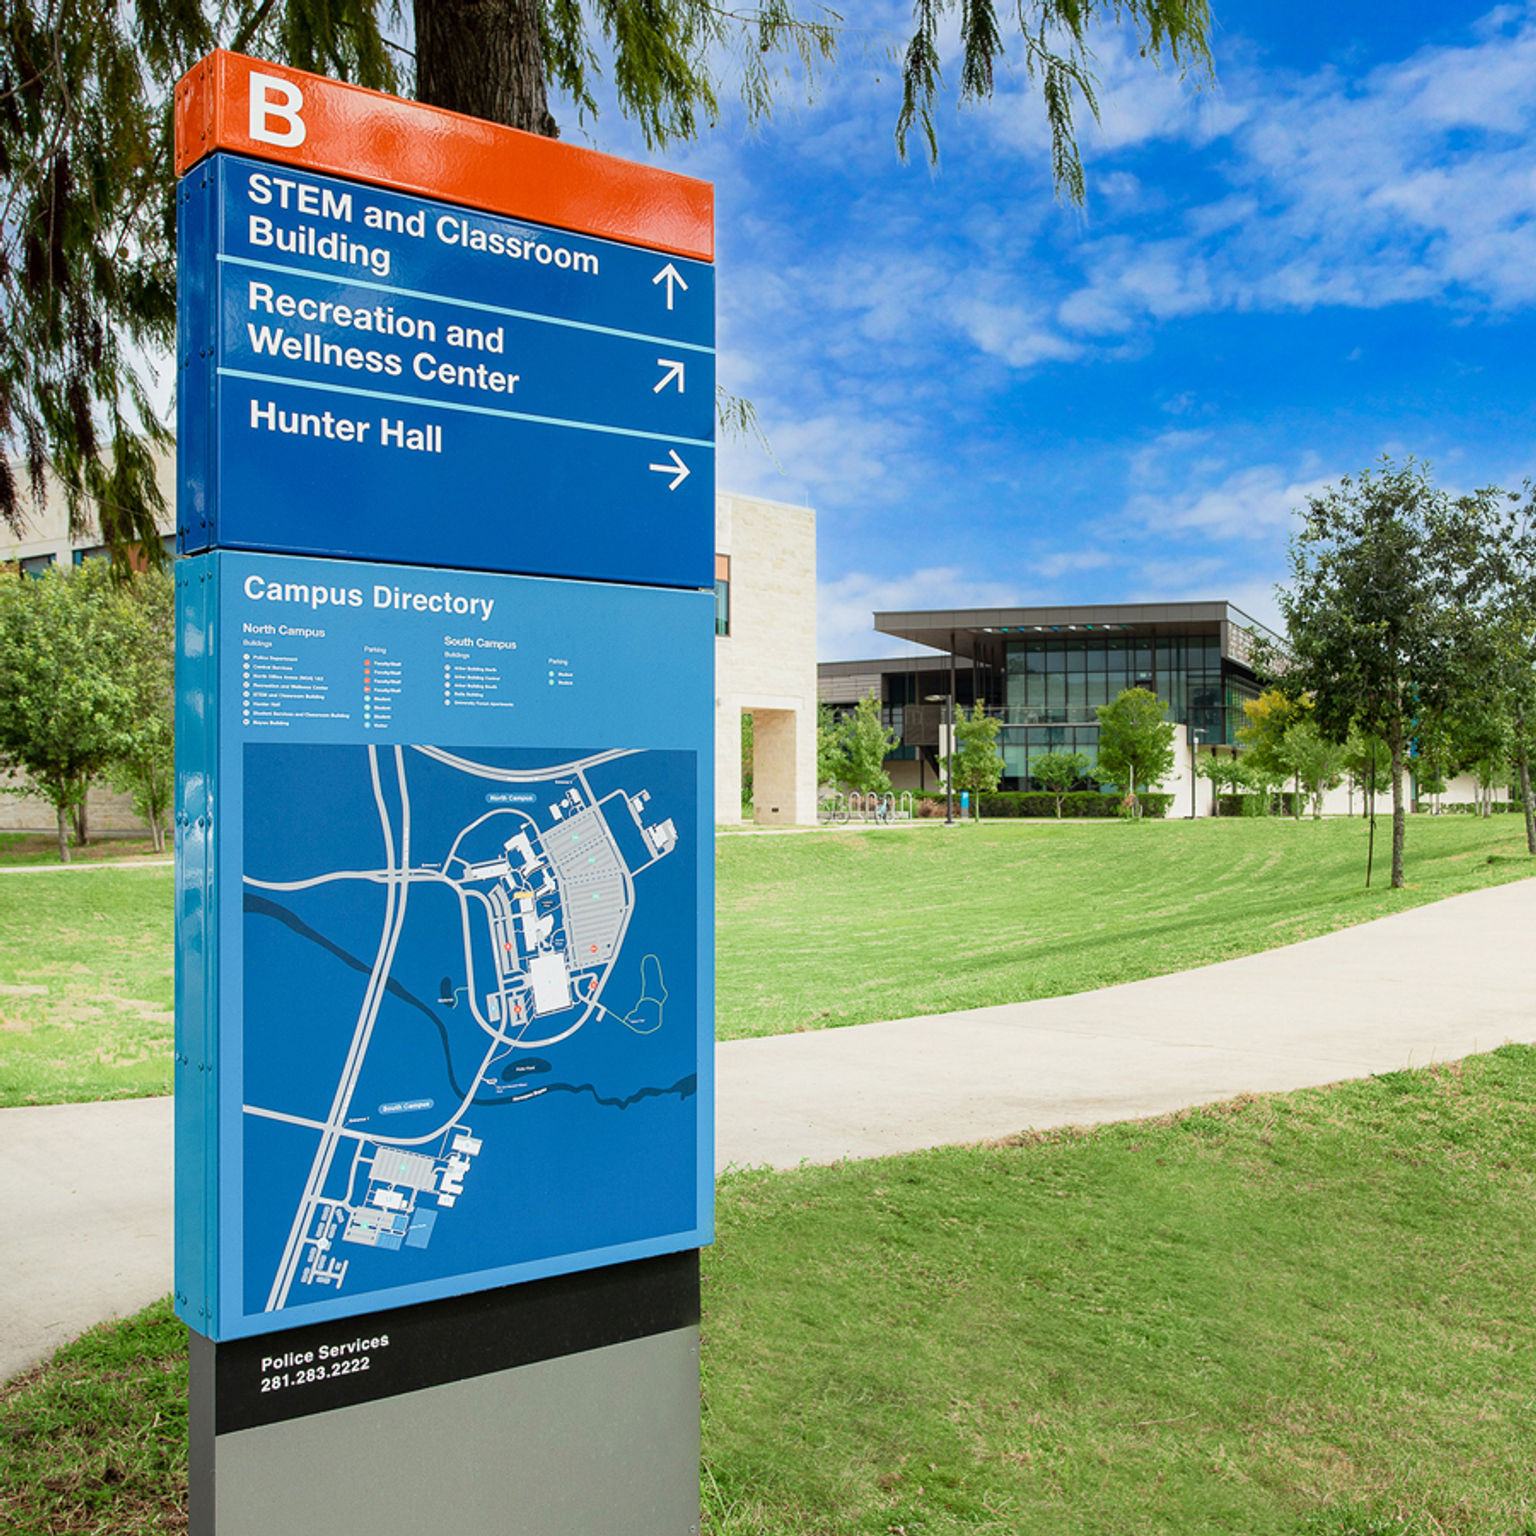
677,469
674,371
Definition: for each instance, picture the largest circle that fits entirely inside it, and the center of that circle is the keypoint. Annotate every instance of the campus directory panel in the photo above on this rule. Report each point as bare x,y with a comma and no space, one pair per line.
375,374
444,883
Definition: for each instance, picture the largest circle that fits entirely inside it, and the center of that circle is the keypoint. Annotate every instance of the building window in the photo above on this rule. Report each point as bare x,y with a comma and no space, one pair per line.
95,552
722,594
35,565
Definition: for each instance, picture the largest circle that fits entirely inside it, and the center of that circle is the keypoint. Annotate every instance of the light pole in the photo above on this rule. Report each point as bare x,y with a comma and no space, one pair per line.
947,699
1195,738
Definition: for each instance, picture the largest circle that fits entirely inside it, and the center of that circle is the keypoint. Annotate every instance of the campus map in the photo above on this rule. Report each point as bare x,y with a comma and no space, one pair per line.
470,989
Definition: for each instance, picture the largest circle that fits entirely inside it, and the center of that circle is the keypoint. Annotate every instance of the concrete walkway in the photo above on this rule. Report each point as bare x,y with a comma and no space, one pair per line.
85,1190
85,1220
1433,984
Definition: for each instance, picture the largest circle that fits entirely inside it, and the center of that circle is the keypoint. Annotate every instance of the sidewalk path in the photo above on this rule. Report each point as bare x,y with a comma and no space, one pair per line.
85,1220
1432,984
85,1190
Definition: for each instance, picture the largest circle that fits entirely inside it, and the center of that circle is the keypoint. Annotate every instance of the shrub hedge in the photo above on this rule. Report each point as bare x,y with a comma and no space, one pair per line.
1003,803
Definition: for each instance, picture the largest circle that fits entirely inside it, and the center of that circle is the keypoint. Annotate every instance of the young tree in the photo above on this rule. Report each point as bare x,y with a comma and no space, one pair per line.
1221,773
867,744
144,765
977,764
1316,763
1268,718
64,709
1505,642
1058,772
831,746
1135,741
87,237
1367,761
1382,597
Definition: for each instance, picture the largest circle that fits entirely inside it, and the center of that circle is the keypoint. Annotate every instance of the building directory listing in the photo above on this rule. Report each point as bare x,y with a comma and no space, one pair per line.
524,379
445,651
452,923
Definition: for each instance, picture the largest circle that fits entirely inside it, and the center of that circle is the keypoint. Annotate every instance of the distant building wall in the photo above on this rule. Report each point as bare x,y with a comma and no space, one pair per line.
46,539
765,661
106,811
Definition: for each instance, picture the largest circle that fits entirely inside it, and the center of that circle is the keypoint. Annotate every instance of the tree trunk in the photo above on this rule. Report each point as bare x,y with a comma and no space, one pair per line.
82,824
1523,757
63,821
1399,810
483,58
1370,845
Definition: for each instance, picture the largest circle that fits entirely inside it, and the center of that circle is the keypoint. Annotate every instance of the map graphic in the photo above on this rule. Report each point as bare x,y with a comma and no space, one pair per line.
470,1025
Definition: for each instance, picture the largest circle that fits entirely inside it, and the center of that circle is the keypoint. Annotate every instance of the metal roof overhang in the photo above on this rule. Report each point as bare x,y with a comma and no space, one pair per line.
972,627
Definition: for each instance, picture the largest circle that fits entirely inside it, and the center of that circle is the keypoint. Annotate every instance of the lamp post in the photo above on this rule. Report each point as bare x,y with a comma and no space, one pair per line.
1195,738
947,699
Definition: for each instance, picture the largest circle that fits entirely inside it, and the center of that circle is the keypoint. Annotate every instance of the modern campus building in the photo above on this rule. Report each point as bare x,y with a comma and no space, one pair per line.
765,653
1042,673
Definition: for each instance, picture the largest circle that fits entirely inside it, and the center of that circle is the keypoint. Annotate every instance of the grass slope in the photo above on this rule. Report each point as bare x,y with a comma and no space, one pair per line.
1295,1315
1299,1313
815,930
85,985
836,928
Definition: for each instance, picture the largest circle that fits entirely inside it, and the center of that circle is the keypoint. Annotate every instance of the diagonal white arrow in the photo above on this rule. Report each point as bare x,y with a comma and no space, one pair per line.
674,371
677,469
673,278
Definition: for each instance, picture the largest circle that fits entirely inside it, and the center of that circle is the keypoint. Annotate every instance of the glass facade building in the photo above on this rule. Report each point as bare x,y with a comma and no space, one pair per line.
1044,672
1054,686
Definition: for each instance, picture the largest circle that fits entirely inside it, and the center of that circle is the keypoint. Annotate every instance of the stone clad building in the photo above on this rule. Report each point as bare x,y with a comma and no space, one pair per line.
765,658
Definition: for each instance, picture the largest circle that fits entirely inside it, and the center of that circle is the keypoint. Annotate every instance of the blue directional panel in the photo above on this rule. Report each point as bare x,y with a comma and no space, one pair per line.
490,394
445,1000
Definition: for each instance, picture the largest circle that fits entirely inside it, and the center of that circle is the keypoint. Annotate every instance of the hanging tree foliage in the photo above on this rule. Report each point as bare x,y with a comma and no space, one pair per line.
87,241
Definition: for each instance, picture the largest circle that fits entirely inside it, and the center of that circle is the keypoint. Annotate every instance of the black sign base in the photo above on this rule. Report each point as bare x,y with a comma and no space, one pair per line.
559,1407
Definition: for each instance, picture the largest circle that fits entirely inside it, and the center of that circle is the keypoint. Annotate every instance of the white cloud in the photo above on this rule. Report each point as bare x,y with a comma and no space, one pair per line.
845,607
1070,562
1138,103
1257,502
837,455
1413,183
1019,334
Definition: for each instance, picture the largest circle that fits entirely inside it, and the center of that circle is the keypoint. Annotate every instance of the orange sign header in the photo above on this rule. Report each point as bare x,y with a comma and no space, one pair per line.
248,107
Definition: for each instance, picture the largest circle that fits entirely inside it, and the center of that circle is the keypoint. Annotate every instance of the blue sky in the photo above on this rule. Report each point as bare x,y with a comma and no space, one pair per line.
989,397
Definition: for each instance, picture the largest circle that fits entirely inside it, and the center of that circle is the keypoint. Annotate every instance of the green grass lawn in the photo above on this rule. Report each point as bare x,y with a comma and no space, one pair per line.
1297,1313
85,985
1305,1314
836,928
814,930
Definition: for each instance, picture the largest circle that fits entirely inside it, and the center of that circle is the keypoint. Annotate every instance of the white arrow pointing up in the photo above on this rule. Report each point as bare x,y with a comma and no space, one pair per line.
674,371
677,469
673,278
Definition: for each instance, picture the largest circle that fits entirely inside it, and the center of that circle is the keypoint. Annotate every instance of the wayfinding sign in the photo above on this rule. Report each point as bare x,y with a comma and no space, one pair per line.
542,396
456,1017
445,651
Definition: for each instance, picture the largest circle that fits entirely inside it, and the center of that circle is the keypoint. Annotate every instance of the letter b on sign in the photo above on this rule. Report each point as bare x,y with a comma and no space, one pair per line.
275,107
